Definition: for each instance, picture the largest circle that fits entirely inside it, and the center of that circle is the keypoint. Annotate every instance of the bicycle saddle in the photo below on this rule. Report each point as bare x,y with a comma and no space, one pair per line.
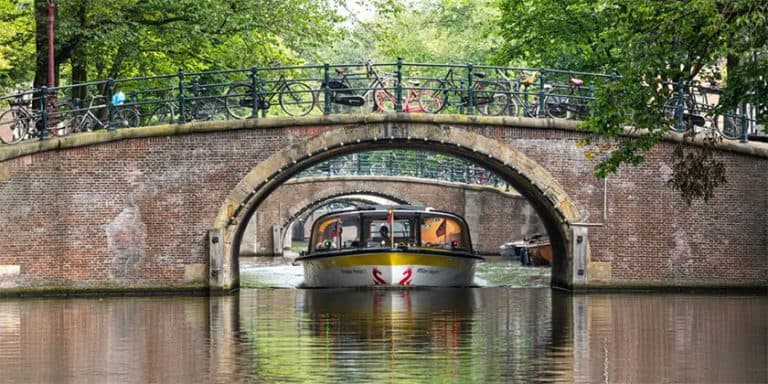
479,75
339,70
576,81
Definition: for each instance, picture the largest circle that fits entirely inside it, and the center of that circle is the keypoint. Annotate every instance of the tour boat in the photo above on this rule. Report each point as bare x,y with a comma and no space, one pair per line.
536,250
389,246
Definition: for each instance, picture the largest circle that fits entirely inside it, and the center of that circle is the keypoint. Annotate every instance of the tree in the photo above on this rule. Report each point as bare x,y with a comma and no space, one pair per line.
99,39
651,44
439,31
16,43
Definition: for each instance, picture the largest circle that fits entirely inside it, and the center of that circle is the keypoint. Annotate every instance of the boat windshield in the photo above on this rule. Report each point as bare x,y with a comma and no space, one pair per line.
376,230
443,232
337,233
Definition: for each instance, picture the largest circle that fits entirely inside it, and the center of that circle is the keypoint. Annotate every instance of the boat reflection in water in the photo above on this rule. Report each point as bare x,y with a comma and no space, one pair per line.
415,317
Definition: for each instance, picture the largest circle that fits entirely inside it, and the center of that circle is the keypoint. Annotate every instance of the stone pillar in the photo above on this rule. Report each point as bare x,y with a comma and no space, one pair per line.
222,271
277,241
579,249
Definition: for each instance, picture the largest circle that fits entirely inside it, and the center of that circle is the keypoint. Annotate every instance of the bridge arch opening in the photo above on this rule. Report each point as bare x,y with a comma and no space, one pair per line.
275,236
556,209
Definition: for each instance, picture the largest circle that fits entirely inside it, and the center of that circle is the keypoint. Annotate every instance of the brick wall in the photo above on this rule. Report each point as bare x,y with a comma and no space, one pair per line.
133,211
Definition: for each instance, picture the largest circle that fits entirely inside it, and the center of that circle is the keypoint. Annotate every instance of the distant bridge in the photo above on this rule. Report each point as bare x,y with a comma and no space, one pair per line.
165,207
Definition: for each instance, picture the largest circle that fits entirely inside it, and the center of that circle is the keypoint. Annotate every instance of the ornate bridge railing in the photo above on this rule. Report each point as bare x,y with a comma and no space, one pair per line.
406,163
326,89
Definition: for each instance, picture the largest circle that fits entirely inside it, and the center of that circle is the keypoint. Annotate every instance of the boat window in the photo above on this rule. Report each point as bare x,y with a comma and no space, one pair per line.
379,235
337,233
443,232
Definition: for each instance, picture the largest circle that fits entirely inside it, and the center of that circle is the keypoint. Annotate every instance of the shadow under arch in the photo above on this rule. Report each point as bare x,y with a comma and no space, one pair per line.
548,198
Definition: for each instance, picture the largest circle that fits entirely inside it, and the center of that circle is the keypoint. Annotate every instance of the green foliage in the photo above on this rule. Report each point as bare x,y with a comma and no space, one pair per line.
651,44
439,31
97,39
16,43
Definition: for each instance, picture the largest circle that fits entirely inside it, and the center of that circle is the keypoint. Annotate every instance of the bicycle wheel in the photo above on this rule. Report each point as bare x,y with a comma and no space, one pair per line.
14,126
490,98
161,115
556,106
238,100
127,118
728,125
671,112
296,99
384,101
433,96
62,119
210,109
513,106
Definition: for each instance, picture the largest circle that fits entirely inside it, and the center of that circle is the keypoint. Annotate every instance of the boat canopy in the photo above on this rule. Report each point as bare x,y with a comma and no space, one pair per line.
383,227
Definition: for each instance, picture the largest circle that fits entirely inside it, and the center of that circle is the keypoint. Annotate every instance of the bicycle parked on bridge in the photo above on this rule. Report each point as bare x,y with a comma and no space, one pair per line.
691,106
571,104
385,98
295,97
79,119
487,97
523,101
21,122
201,106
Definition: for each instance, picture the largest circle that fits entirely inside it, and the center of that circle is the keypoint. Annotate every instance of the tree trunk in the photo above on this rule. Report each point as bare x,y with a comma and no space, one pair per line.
41,43
80,60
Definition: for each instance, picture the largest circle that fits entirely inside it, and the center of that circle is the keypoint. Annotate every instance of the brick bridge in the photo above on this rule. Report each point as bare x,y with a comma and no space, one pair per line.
495,216
165,208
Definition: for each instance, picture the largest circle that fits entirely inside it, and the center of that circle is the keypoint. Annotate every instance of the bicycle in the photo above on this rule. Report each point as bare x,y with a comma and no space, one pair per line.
198,107
343,96
522,100
571,105
385,101
488,97
693,108
20,122
85,120
295,98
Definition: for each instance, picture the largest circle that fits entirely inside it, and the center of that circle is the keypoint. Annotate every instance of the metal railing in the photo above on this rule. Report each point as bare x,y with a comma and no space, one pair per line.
406,163
327,89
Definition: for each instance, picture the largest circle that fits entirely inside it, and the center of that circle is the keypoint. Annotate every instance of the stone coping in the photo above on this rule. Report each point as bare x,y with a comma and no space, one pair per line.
8,152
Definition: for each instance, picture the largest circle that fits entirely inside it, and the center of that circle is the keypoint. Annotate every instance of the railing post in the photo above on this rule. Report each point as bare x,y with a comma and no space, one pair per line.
399,85
462,105
542,93
181,96
744,122
44,113
359,165
110,106
254,92
679,107
470,94
326,89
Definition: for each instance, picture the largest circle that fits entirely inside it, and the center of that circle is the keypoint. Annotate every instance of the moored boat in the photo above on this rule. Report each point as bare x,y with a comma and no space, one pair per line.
389,246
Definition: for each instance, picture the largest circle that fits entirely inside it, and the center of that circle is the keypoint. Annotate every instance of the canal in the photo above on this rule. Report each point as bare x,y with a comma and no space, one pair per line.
512,328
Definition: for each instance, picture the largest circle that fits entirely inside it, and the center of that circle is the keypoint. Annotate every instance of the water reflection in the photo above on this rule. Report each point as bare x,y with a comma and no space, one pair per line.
490,335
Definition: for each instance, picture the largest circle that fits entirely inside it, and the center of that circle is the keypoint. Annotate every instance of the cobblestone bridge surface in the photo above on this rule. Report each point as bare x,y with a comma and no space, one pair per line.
165,208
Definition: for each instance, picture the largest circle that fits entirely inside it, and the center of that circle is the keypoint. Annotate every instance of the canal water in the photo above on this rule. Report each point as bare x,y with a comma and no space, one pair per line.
510,329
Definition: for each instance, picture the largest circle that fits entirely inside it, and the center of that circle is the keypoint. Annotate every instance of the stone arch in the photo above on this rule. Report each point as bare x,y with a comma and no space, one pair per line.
557,210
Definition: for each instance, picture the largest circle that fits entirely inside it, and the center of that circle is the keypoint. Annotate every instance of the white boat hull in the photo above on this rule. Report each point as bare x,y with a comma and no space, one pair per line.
389,269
